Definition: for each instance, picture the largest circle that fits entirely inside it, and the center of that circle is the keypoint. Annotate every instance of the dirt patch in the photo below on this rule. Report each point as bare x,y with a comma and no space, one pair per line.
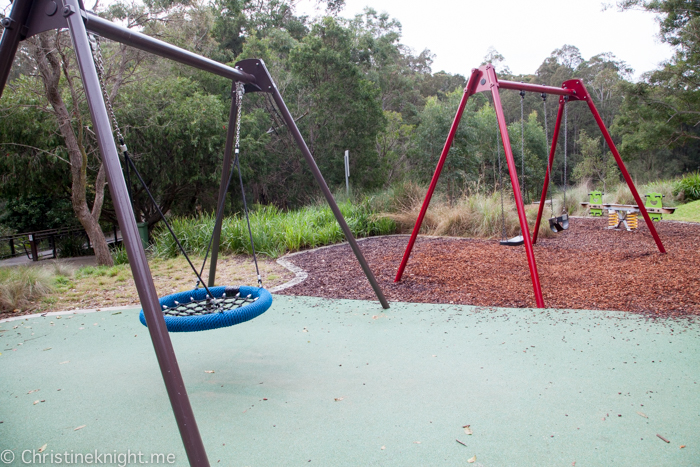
109,287
585,267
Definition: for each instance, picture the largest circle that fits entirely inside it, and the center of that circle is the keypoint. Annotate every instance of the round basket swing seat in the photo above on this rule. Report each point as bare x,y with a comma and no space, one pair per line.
196,311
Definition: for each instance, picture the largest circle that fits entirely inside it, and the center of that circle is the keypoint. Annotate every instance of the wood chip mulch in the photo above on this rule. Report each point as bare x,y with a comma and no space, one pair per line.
585,267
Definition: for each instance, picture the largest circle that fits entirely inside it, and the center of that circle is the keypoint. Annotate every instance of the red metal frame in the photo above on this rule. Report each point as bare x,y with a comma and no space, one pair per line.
484,79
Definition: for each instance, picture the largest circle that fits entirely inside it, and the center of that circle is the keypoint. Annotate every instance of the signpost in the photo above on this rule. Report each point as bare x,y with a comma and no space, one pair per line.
347,172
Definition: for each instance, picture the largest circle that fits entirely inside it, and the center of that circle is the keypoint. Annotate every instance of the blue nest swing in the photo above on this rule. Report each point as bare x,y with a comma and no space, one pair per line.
198,311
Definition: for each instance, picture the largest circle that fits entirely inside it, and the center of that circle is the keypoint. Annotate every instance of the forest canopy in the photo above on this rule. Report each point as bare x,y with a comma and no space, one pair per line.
350,84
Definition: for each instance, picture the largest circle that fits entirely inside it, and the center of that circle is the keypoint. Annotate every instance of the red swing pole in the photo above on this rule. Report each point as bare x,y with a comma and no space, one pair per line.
493,85
468,91
555,138
581,93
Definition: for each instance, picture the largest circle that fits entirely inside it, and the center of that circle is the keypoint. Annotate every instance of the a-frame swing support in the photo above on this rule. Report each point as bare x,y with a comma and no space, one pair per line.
30,17
484,79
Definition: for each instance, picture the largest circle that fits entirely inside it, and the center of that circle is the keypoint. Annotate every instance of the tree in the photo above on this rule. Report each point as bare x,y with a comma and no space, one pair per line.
50,52
660,118
343,108
596,166
176,137
393,146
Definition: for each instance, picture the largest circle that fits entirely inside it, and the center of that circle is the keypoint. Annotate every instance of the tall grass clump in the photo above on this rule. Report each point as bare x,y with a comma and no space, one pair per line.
22,285
476,215
119,255
575,195
275,232
688,187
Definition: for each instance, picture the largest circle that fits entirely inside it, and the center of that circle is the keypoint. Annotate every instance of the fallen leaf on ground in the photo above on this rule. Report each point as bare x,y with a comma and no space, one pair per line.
472,460
36,402
682,446
468,430
80,427
643,415
33,390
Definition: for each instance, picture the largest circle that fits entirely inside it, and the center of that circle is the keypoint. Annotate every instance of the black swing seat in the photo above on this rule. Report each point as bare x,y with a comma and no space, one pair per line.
515,241
557,224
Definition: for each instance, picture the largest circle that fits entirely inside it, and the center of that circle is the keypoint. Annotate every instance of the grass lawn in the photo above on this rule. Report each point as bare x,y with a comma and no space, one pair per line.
101,286
689,212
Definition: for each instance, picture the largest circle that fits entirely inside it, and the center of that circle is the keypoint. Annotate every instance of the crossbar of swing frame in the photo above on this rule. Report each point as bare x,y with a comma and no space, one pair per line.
571,90
74,18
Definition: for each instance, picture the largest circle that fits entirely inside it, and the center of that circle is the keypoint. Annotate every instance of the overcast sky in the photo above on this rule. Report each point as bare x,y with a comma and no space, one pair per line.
525,32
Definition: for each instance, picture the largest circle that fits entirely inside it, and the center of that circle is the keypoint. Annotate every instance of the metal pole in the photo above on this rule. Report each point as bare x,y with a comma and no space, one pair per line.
11,37
140,41
347,172
550,162
625,173
436,176
225,172
535,88
516,188
137,258
581,93
326,192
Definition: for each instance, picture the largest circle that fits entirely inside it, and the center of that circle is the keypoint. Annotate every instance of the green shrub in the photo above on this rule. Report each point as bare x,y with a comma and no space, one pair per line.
72,245
688,187
119,255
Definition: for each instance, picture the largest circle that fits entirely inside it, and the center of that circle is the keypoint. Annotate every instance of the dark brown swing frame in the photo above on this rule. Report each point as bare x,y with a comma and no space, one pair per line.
30,17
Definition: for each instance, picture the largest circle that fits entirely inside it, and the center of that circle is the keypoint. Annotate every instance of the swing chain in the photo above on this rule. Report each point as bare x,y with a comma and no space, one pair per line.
546,139
99,66
240,91
500,185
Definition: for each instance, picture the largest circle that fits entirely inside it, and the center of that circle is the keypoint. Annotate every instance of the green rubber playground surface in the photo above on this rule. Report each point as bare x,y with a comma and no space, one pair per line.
338,382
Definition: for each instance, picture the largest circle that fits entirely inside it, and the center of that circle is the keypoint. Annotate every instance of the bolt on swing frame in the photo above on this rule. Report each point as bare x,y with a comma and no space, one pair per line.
30,17
484,79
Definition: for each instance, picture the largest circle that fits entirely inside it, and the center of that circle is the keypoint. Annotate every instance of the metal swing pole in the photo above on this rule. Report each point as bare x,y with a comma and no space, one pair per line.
493,85
11,37
137,258
265,83
225,172
555,138
468,91
581,93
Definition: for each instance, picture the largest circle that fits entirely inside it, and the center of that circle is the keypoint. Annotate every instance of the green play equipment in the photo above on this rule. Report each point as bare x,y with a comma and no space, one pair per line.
595,198
654,200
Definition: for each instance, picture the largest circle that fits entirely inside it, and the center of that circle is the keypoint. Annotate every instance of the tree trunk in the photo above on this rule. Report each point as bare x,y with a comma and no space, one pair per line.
50,67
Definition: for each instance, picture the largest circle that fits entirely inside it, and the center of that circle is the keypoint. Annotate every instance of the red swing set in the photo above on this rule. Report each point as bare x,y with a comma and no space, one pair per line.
484,79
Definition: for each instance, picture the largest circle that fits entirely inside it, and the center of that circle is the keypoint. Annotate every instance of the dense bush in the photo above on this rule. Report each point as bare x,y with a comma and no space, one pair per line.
688,188
37,212
72,245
